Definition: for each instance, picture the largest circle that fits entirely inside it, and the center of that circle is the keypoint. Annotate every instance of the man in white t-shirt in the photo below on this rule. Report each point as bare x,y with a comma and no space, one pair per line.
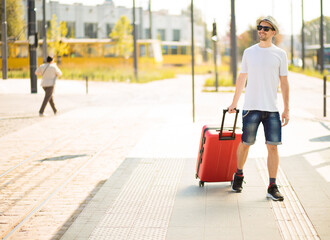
264,68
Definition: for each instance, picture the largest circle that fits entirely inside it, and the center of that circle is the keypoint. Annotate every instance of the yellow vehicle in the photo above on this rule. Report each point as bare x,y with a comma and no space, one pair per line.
102,52
179,53
86,52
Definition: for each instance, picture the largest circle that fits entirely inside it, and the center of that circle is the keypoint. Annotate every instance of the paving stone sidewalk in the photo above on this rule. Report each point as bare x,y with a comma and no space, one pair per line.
153,194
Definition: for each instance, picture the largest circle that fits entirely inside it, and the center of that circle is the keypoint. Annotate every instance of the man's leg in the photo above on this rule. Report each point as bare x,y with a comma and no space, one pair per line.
51,101
48,94
272,164
251,121
242,153
273,160
273,133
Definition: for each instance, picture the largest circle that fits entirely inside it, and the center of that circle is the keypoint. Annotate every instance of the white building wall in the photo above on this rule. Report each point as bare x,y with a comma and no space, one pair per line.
107,13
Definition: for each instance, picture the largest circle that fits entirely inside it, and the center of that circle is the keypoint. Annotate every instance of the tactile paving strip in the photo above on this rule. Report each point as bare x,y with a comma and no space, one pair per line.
290,215
143,208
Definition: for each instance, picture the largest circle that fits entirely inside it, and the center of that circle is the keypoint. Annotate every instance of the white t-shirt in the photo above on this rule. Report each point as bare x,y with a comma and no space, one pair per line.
263,66
50,73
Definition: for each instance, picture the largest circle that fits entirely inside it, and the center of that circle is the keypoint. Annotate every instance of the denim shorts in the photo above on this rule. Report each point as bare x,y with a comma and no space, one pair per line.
271,122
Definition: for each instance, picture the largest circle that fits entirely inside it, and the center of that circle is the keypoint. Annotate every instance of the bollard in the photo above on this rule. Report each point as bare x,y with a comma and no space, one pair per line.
86,84
324,96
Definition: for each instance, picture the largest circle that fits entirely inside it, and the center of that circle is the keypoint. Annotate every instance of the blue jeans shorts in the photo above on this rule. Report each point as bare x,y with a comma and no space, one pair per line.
271,122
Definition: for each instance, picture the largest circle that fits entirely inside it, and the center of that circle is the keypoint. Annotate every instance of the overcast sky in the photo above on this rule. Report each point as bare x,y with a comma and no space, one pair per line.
247,11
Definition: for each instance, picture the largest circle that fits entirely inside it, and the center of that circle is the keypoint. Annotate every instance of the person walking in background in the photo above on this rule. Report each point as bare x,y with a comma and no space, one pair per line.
264,68
49,72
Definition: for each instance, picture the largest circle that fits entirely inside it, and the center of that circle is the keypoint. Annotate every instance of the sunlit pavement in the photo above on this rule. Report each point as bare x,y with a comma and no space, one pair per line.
152,193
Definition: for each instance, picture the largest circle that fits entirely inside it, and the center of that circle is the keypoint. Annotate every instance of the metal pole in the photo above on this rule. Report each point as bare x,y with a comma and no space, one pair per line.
214,39
150,21
44,30
32,45
321,40
233,44
4,41
302,35
192,57
215,65
291,34
134,42
86,78
324,96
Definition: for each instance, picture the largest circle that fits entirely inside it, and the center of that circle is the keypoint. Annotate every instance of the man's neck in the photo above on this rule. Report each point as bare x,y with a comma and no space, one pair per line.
265,44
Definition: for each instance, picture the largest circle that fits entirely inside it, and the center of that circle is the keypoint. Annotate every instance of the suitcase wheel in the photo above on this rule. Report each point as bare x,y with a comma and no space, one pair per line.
201,184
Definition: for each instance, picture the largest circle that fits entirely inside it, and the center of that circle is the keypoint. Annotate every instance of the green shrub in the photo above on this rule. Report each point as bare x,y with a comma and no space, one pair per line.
308,72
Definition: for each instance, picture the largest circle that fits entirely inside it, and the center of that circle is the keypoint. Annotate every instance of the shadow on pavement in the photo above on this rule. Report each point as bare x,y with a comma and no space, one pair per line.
321,139
77,212
62,158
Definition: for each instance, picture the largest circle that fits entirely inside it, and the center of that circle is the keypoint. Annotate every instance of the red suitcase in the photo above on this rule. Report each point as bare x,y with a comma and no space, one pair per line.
216,160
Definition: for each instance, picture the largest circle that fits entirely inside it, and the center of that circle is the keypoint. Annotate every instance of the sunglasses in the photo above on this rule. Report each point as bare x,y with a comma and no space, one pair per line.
266,28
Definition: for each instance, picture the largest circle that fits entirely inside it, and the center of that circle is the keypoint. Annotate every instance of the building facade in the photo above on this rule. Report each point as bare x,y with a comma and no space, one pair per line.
98,21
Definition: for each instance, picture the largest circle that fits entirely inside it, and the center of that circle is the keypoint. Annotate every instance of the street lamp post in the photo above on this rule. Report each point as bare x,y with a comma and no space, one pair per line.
44,28
291,34
192,57
134,43
33,43
215,39
233,44
150,21
4,41
302,35
321,41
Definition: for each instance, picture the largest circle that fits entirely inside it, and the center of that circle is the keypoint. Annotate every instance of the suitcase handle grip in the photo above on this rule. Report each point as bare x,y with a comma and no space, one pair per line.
232,137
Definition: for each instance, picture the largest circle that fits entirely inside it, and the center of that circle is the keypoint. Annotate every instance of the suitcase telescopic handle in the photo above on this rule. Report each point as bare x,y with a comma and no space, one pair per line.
232,137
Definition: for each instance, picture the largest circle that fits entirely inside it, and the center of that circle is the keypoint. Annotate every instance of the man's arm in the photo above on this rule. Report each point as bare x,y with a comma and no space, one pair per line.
285,94
240,84
38,72
58,72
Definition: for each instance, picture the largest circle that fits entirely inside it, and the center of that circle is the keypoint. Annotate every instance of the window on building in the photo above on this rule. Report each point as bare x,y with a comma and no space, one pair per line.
150,50
91,30
174,50
92,50
71,26
183,50
109,50
108,29
143,51
138,33
146,33
77,50
40,28
161,34
176,35
165,49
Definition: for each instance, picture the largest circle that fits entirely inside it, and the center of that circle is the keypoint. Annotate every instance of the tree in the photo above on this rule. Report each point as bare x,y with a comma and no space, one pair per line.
15,22
312,31
198,16
122,35
245,40
55,35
